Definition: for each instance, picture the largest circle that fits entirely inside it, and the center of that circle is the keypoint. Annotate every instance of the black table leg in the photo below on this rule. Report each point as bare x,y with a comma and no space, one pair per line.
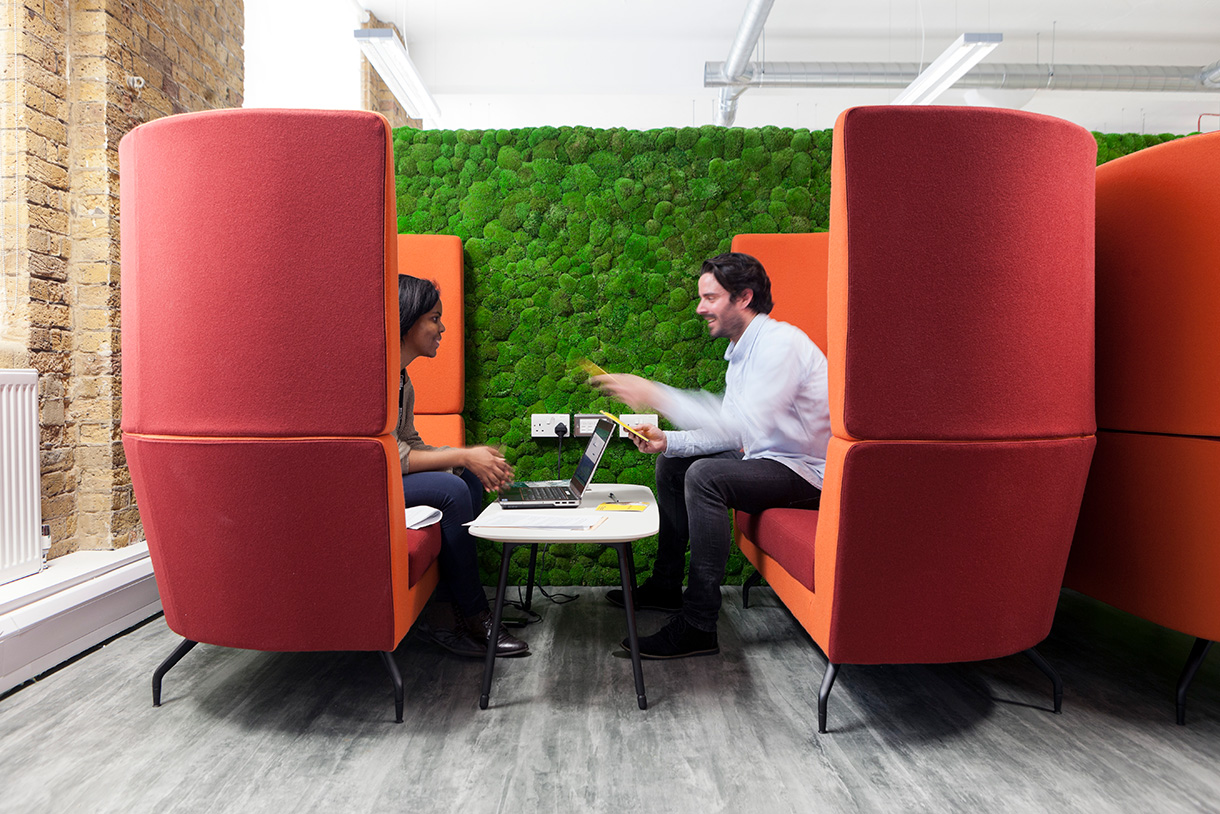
626,567
489,661
631,567
529,580
1197,653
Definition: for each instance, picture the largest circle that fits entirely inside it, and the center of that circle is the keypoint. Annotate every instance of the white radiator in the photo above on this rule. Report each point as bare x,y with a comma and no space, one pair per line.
20,484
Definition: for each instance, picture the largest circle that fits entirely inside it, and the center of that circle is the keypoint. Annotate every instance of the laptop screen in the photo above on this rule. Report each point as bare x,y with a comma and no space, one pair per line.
593,455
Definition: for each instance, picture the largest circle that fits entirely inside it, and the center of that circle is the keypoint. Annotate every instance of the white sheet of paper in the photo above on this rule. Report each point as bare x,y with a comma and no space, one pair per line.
420,516
516,519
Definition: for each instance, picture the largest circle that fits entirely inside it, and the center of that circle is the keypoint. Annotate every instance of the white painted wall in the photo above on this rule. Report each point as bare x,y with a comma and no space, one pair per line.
301,53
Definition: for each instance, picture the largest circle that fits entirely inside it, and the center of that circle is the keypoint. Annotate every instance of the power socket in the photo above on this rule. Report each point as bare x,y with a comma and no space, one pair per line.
585,423
542,425
635,420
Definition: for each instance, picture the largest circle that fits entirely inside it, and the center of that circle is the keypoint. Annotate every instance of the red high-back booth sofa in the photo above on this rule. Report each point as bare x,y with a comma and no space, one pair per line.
959,331
1149,535
260,381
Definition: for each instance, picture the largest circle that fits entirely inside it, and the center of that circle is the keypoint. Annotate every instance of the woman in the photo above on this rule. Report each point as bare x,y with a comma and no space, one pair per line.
451,479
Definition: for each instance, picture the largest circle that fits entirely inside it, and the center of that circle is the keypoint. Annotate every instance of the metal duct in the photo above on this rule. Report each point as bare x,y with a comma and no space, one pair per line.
1156,78
734,84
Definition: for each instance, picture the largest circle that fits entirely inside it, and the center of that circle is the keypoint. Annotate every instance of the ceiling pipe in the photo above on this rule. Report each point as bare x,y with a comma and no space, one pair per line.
1008,76
1210,76
733,71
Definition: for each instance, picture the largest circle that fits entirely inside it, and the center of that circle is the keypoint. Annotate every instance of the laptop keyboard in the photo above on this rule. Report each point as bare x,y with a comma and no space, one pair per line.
546,493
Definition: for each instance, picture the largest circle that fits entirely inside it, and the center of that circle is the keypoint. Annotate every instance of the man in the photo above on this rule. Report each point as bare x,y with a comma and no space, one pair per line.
763,446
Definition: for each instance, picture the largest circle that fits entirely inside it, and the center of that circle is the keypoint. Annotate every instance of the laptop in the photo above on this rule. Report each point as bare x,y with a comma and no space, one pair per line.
559,494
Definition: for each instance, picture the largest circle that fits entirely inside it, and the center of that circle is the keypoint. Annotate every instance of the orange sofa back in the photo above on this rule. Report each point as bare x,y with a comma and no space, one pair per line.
440,383
796,264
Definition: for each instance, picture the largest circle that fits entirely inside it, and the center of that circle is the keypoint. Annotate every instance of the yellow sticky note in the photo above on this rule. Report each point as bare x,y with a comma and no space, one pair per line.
622,507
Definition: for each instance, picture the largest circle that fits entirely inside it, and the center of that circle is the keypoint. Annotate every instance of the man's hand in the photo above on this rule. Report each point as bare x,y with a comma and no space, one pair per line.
656,439
634,391
490,467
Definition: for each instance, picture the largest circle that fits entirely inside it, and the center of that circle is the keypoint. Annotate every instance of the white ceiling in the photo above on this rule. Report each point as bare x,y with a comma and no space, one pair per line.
639,63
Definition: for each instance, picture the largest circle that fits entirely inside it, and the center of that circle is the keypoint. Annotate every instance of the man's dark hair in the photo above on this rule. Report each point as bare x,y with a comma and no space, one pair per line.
416,297
737,272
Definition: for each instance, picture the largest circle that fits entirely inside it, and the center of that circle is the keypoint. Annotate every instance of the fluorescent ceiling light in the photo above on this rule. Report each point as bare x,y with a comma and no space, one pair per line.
389,58
961,56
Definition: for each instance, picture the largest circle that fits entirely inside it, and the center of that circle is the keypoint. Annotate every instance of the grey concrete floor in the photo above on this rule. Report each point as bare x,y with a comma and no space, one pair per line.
262,732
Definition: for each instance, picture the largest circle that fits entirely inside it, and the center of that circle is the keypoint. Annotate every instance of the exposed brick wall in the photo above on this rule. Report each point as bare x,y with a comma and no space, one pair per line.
39,233
374,94
86,72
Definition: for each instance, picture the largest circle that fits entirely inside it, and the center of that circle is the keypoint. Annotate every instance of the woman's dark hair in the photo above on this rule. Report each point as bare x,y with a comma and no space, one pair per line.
416,297
736,273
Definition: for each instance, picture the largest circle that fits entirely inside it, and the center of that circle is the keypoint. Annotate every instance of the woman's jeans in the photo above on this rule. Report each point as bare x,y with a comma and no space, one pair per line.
460,499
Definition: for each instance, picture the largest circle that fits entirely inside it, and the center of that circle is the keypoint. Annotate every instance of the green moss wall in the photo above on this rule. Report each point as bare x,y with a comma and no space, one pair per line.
586,243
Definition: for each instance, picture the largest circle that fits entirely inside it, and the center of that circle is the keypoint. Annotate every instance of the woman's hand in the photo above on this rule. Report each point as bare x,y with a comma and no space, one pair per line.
656,439
489,466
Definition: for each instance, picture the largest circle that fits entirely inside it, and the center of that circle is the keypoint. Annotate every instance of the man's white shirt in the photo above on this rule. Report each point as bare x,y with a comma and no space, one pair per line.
776,403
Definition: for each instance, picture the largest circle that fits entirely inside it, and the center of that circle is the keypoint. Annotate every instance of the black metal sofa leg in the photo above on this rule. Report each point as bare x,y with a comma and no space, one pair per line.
750,582
828,681
1197,654
387,659
1045,666
174,657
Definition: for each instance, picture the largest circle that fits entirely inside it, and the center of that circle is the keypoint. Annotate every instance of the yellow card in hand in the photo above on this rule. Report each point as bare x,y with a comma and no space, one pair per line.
591,369
622,507
620,422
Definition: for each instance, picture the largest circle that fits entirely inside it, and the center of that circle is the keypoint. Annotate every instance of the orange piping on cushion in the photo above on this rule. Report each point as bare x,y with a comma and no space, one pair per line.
826,557
409,602
393,341
409,599
225,439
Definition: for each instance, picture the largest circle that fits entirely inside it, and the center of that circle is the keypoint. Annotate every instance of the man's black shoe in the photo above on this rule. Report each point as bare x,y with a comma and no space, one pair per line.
649,597
676,640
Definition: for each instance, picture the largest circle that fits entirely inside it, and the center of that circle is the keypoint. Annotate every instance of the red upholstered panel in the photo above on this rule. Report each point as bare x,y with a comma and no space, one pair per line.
440,383
967,275
274,544
951,551
1148,540
441,430
423,546
255,256
1158,289
796,265
786,536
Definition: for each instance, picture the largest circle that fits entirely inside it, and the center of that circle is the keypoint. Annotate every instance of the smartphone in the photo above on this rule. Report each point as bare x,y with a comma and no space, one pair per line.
631,430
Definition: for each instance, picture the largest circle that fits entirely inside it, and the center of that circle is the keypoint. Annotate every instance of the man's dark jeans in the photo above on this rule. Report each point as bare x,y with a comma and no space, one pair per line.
694,495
